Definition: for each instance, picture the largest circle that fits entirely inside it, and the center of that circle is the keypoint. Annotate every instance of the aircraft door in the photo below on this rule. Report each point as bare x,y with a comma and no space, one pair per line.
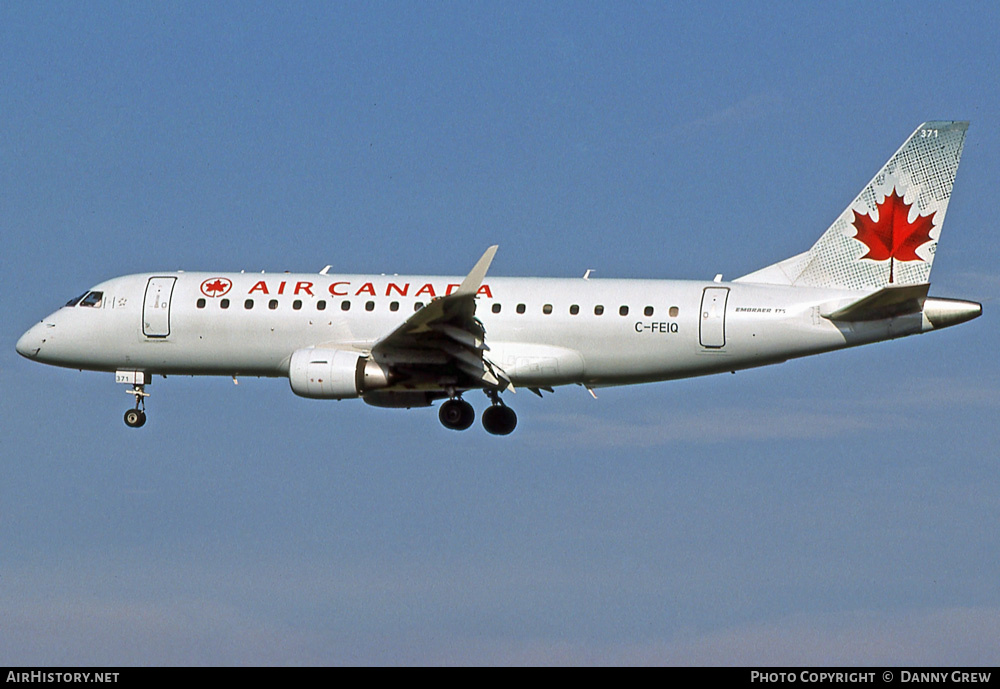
156,307
712,331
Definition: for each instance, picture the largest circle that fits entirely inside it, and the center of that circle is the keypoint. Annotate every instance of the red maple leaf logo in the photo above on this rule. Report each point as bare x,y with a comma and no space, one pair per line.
215,287
893,236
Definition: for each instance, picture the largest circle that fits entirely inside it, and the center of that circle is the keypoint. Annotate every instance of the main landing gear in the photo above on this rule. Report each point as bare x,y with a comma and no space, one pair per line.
457,414
498,418
135,418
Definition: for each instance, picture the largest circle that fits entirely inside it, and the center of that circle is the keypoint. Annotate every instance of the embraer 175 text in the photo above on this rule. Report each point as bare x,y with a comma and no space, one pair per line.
406,341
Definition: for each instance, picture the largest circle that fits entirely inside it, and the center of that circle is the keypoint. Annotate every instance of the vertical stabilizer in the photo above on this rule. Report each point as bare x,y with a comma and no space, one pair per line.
889,234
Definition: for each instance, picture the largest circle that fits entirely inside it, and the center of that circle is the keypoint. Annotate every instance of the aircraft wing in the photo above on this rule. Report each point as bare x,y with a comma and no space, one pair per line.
445,336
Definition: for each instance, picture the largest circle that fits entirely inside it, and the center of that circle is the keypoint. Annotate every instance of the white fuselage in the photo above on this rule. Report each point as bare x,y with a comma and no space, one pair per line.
541,331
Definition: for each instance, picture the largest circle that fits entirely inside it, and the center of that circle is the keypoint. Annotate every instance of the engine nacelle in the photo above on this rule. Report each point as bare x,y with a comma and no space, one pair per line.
334,374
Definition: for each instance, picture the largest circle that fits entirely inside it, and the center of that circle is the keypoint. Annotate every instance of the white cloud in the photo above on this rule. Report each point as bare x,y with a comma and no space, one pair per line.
706,426
939,637
751,107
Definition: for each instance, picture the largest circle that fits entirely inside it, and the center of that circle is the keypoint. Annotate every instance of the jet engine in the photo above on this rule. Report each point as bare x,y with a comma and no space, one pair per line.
334,374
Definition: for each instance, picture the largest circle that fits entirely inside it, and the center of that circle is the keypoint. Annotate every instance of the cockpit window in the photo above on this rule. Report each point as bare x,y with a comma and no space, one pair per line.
76,300
93,299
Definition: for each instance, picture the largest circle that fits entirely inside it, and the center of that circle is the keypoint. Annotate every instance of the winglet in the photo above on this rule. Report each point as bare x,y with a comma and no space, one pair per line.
472,281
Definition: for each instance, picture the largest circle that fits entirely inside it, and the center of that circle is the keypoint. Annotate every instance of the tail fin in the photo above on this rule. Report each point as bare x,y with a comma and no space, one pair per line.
889,234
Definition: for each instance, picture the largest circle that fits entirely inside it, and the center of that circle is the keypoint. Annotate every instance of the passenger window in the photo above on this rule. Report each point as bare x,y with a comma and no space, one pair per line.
345,305
598,310
201,303
674,311
248,304
394,306
496,308
224,304
93,299
623,311
648,311
574,309
520,308
76,300
419,305
297,304
547,309
321,305
369,306
273,304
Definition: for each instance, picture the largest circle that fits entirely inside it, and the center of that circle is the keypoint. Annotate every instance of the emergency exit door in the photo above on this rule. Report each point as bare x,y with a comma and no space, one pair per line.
713,317
156,307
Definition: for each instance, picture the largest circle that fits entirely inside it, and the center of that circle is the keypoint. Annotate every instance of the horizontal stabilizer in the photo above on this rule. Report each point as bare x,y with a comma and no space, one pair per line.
888,302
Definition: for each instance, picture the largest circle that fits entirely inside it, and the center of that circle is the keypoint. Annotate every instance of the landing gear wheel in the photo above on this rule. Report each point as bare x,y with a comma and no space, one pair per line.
457,414
499,420
135,418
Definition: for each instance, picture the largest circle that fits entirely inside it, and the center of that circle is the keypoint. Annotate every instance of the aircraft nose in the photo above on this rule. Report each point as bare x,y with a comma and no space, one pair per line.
30,343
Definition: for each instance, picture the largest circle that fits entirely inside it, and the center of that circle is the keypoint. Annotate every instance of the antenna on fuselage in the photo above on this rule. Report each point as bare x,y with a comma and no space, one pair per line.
325,270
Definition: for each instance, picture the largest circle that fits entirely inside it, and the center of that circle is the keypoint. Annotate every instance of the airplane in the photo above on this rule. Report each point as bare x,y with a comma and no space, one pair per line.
411,341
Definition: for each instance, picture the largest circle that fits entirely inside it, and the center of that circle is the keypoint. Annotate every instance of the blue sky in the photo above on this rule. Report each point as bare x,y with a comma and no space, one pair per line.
839,509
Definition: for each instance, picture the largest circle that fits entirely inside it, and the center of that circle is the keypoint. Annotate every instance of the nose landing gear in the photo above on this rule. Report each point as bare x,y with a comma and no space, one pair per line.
135,418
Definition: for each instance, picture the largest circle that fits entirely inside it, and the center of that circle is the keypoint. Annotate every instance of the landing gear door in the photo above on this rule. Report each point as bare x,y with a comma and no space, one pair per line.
156,307
713,317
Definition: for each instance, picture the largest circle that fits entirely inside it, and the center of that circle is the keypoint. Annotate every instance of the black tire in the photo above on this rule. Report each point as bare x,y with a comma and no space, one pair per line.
134,418
468,415
499,420
456,415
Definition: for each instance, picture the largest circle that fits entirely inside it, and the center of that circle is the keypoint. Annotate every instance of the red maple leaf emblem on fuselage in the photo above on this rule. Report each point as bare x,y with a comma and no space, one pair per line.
215,287
893,236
